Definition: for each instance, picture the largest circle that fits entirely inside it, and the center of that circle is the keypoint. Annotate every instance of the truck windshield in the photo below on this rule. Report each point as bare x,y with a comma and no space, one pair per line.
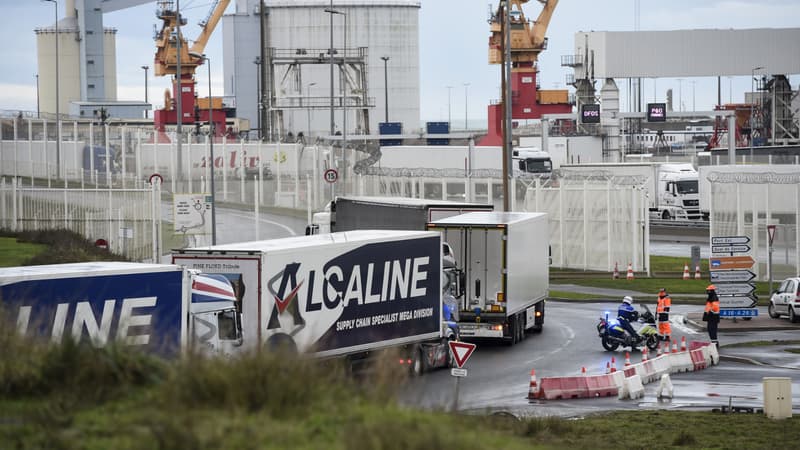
228,327
534,165
686,187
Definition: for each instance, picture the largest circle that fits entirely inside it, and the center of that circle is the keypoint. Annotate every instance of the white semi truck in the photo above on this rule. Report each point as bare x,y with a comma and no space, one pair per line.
337,294
672,189
505,277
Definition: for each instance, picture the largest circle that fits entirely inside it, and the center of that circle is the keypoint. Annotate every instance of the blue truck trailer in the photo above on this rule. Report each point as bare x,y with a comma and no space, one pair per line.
155,307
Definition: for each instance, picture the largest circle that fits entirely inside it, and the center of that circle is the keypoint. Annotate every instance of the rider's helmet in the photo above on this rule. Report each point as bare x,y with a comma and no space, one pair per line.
627,299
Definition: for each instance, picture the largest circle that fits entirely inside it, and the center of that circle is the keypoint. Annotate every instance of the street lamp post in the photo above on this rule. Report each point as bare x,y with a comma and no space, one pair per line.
693,105
259,105
449,121
37,95
331,11
385,88
752,119
58,113
680,94
210,147
308,120
145,89
466,104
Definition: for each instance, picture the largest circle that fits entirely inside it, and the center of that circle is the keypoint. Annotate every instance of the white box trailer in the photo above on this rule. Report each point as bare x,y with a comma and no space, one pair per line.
505,259
333,294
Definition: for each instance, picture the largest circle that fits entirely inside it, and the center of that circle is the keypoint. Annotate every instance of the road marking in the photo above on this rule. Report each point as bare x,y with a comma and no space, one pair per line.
677,320
570,338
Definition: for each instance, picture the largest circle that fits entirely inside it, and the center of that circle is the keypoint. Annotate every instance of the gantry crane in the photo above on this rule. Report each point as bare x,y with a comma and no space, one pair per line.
527,41
166,63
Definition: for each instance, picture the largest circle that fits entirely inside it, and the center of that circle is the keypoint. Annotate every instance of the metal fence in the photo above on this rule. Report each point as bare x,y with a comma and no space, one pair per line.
746,203
127,219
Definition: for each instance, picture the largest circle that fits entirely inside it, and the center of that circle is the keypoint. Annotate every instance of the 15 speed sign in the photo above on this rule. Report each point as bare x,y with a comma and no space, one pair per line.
331,175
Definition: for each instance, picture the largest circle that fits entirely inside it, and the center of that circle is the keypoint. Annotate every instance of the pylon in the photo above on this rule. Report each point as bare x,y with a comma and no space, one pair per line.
659,352
685,271
613,364
616,272
674,346
533,391
608,367
683,343
630,271
666,349
644,354
583,371
627,359
697,272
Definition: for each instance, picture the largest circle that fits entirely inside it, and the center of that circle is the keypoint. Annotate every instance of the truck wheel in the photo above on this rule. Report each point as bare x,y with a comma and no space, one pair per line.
521,327
418,363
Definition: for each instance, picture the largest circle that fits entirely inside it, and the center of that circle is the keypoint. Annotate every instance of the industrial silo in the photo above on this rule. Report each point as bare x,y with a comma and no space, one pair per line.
297,77
98,82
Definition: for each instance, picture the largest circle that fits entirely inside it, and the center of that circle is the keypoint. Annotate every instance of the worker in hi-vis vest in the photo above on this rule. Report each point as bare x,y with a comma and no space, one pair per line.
711,313
662,315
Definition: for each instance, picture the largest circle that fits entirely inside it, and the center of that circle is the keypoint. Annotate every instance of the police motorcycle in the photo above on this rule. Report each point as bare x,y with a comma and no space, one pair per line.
613,335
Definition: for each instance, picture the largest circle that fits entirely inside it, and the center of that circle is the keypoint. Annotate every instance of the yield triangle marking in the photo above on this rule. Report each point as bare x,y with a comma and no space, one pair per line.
461,351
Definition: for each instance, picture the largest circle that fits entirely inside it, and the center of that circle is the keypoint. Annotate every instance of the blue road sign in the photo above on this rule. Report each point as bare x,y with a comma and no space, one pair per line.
738,312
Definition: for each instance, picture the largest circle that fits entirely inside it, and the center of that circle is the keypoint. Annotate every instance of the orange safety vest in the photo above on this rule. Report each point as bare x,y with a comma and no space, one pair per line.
712,306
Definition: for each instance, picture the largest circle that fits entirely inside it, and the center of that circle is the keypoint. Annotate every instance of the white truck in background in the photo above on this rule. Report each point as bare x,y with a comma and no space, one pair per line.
531,160
386,213
672,189
505,271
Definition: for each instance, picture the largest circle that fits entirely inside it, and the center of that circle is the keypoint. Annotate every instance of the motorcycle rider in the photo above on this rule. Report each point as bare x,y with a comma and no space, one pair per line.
626,314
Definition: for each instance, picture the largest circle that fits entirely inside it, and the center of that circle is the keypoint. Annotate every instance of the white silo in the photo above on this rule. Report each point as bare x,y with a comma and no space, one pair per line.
381,28
70,85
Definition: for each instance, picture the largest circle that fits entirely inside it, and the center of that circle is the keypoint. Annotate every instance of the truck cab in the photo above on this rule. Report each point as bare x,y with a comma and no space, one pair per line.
678,192
531,160
216,324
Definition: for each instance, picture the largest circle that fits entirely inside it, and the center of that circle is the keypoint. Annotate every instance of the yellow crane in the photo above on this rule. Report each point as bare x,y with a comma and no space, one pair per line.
527,39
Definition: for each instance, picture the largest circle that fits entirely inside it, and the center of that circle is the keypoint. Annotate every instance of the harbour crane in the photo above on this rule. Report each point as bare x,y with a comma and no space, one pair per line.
166,63
527,41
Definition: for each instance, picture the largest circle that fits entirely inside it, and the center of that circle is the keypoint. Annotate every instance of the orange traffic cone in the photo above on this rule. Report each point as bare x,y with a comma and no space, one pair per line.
627,359
644,354
674,346
683,343
697,272
666,349
533,391
685,271
613,364
630,271
616,272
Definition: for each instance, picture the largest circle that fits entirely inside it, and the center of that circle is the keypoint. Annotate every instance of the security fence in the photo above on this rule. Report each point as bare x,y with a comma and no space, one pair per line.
128,220
746,203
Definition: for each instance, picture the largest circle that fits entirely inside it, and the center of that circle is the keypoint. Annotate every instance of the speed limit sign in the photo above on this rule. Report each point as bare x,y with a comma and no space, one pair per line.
331,175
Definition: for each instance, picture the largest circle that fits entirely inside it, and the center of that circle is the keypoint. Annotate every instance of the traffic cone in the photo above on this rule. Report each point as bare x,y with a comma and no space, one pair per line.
583,371
685,271
659,352
666,349
644,354
697,273
613,364
630,271
683,343
627,359
616,272
608,367
674,346
533,391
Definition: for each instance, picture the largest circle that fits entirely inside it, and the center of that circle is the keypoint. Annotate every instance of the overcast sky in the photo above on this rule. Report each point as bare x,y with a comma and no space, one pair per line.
453,48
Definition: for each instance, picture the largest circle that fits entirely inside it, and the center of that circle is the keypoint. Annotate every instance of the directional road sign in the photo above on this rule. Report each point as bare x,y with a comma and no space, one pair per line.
727,240
461,352
738,301
735,289
738,312
730,248
731,262
731,276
